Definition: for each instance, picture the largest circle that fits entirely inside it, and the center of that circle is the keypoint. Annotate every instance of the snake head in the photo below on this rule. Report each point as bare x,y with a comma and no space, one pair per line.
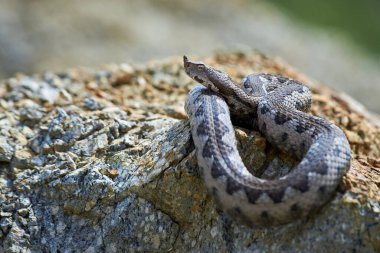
209,77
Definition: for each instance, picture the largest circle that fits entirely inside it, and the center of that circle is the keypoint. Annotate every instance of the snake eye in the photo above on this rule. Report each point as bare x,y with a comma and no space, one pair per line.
201,67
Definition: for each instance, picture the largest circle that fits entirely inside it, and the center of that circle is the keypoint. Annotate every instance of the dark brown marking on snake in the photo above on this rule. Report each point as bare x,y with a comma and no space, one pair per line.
322,169
298,105
196,78
281,118
322,189
301,183
232,186
200,111
208,149
284,136
264,108
237,212
252,194
264,215
293,150
300,128
215,169
315,133
219,124
202,129
276,195
294,208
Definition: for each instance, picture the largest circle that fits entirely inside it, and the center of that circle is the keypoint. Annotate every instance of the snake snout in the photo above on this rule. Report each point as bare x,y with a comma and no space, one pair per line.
186,62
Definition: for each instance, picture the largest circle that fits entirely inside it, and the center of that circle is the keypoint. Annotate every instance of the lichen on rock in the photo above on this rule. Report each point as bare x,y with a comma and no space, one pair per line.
102,160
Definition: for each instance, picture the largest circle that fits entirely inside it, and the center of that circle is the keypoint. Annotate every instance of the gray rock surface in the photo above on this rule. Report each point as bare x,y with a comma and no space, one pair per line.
102,161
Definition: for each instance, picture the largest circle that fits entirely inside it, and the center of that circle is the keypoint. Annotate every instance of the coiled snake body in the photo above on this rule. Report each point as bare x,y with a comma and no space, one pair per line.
276,106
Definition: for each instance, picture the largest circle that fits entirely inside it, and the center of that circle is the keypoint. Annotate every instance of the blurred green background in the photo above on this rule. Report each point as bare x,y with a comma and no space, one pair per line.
335,42
358,21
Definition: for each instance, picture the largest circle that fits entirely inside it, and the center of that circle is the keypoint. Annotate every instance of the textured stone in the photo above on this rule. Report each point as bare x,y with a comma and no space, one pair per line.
109,166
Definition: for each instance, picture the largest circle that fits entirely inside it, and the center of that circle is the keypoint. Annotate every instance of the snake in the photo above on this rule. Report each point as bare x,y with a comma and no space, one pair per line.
278,108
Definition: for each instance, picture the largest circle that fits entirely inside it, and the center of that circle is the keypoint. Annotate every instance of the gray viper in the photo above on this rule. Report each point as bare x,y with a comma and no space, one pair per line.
277,107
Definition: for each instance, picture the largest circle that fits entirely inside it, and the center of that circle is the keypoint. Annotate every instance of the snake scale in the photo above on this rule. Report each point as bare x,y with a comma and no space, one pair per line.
277,106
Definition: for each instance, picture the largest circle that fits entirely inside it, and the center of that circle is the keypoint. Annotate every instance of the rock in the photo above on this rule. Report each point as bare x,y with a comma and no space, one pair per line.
110,167
6,150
